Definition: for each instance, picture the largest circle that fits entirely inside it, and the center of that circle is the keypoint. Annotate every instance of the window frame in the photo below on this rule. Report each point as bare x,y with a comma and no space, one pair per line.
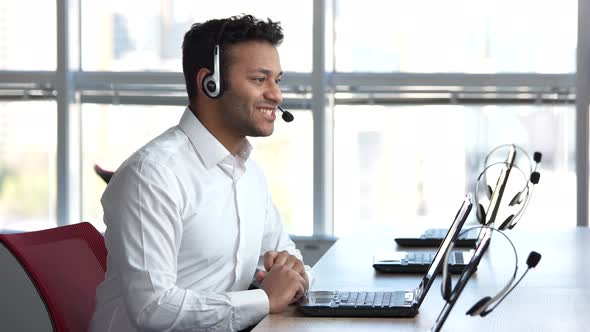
317,90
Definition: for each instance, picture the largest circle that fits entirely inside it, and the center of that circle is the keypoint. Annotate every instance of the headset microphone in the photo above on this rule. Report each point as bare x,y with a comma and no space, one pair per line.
287,116
533,259
535,177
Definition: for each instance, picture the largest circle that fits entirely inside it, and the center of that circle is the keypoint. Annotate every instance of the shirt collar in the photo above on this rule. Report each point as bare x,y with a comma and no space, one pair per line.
211,151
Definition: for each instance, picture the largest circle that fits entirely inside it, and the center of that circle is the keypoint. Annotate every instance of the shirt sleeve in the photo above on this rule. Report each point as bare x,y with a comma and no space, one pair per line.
275,238
142,208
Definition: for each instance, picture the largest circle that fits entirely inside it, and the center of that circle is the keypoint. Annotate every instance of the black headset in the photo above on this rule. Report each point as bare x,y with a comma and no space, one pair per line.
213,82
522,197
480,308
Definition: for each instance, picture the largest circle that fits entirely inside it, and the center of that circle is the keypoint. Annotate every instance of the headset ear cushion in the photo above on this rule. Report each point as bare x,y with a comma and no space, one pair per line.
516,199
211,86
489,191
477,306
506,222
481,214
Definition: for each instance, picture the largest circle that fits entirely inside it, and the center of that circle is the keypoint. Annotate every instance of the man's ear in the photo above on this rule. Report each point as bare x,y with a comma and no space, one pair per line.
199,80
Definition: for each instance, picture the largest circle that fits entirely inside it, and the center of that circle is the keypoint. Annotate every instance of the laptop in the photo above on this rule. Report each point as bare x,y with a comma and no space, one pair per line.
383,304
418,262
463,278
432,237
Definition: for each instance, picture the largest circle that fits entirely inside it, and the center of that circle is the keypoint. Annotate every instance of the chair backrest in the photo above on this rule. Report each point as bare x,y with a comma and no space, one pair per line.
66,264
103,173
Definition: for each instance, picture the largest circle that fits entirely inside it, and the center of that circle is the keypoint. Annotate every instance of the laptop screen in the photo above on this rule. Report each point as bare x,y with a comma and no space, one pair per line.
462,282
453,232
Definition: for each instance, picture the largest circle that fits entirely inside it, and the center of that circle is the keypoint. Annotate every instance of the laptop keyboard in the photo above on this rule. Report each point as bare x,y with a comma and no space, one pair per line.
440,233
435,233
372,299
425,258
420,257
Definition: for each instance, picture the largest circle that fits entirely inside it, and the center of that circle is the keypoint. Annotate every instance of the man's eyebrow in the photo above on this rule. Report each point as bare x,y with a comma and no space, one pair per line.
266,72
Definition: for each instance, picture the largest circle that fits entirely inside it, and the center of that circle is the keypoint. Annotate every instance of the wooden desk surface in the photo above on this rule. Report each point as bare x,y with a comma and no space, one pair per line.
554,296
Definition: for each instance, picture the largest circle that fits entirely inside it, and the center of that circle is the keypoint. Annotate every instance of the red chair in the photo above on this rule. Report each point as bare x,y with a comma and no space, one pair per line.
65,264
103,173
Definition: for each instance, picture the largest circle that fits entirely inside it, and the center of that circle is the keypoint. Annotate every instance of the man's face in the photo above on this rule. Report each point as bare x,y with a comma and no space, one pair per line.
252,93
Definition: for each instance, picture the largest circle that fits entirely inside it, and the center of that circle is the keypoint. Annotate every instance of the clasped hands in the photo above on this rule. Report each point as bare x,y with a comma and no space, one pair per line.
284,280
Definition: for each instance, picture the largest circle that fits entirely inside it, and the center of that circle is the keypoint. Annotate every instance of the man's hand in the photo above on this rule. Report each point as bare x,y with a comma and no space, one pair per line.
282,285
284,258
272,258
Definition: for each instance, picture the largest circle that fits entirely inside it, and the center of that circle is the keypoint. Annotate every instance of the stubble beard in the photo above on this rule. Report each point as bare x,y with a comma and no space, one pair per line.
240,117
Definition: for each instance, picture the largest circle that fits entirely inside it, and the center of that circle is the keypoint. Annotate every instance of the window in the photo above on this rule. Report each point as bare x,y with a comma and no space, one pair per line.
112,133
402,165
28,35
147,35
429,36
287,162
392,134
28,134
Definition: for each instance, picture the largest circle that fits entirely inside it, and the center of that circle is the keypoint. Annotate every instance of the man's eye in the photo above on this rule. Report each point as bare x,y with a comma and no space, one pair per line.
278,80
259,79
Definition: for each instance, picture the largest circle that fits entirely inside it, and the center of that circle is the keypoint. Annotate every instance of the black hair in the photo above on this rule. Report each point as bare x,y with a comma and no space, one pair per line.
199,41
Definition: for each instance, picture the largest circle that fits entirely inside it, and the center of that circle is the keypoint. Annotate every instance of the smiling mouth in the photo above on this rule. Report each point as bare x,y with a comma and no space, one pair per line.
268,111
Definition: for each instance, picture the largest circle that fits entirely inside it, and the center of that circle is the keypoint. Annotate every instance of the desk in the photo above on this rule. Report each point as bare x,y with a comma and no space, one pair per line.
554,296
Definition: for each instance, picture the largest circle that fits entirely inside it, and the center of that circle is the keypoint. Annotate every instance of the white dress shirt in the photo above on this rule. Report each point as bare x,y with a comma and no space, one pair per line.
187,224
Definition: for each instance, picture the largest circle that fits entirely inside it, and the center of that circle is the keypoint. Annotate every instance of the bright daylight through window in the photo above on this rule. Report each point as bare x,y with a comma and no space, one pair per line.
393,130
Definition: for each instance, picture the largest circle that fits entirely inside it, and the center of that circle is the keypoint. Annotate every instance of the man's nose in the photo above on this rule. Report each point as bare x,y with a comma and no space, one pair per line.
274,93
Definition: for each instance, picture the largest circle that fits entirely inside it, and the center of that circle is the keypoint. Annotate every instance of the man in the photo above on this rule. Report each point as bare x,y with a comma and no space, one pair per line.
189,216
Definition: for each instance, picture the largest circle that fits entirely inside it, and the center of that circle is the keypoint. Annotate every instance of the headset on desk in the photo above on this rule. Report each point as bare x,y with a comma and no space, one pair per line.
520,199
487,304
520,187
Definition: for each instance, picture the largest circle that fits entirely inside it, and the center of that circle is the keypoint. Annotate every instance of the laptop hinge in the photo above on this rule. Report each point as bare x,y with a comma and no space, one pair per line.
417,293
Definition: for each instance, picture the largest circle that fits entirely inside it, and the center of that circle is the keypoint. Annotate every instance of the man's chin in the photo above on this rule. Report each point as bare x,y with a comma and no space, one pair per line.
262,132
